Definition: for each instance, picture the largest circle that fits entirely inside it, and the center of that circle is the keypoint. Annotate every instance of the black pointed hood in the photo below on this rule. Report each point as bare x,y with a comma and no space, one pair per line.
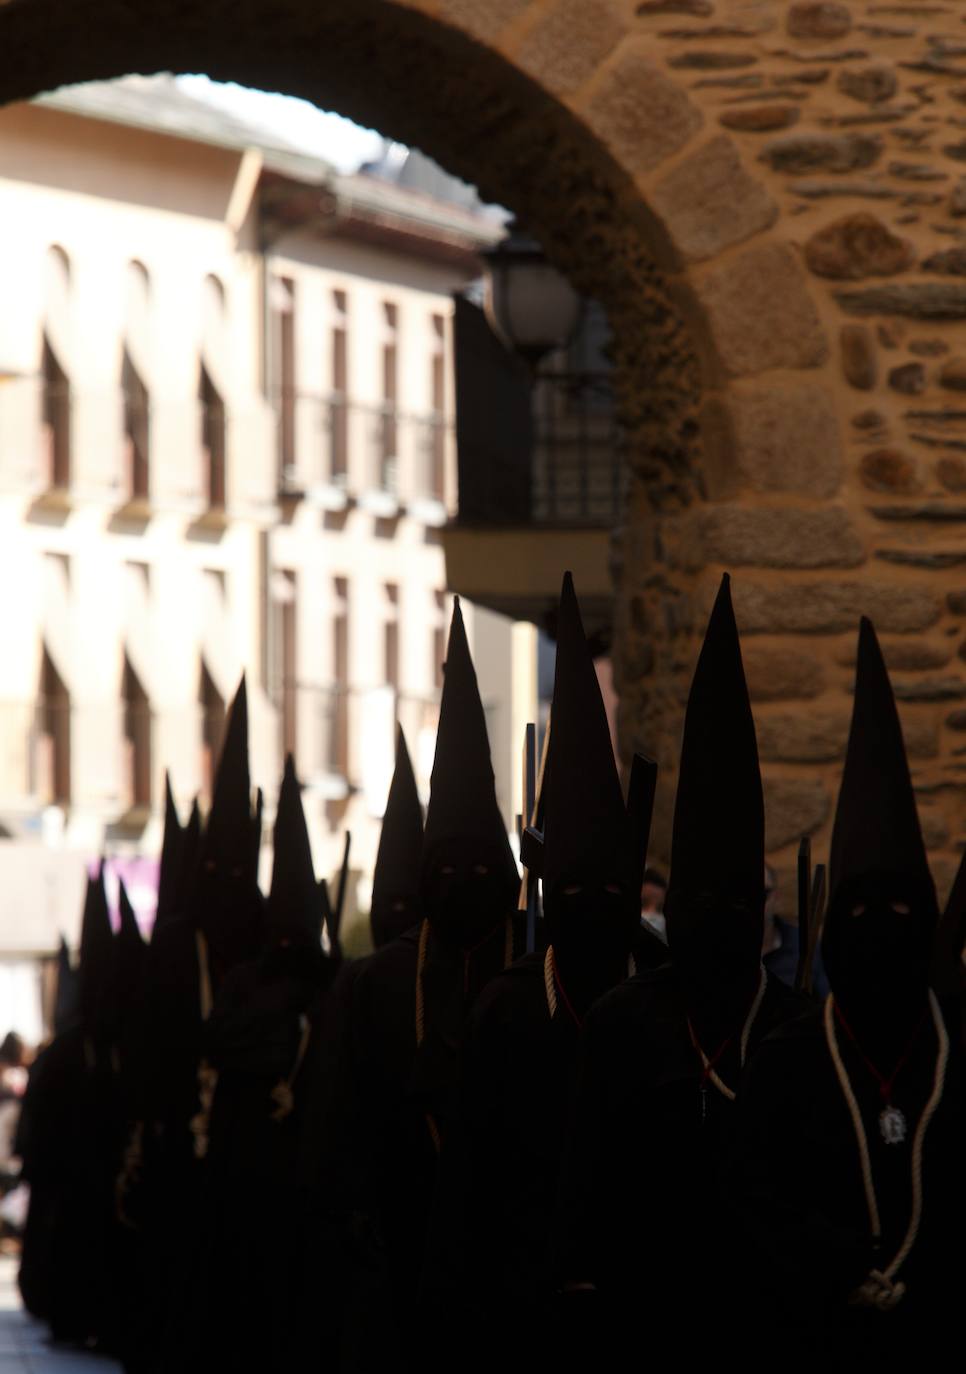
719,813
586,832
228,832
293,912
131,956
97,956
716,896
129,932
395,882
67,999
882,913
225,900
190,857
876,828
463,813
172,855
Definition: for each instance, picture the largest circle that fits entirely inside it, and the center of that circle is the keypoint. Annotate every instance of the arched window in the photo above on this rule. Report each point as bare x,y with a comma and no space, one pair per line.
135,370
55,403
213,439
52,778
211,393
137,737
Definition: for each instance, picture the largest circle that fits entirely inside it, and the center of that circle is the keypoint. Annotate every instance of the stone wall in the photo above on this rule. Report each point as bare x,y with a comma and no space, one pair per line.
770,198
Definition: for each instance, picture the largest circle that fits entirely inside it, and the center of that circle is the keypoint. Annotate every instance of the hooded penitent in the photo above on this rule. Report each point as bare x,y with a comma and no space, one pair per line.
131,955
469,878
172,858
190,857
293,911
882,913
715,900
590,902
395,882
226,903
96,970
67,1000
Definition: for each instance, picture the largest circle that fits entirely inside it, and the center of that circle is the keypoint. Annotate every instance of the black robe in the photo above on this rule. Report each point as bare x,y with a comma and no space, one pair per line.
797,1185
72,1140
168,1199
490,1245
393,1101
254,1040
641,1214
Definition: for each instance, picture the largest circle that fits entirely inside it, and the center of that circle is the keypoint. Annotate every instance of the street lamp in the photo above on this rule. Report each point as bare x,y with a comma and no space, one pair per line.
532,308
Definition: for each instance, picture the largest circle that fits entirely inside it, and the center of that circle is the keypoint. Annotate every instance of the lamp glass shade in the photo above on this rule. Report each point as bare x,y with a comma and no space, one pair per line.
528,303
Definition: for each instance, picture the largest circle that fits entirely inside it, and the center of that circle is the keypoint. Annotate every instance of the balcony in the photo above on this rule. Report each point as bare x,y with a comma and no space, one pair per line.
334,452
541,479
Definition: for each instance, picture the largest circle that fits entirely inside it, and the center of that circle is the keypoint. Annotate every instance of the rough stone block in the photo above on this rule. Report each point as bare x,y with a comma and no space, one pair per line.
871,85
951,472
928,348
869,420
913,655
709,202
935,828
957,199
567,46
696,9
712,60
770,537
640,113
813,19
887,469
936,561
950,262
761,314
858,246
930,689
780,437
859,362
760,119
916,300
774,673
953,374
833,607
803,153
793,807
909,379
803,736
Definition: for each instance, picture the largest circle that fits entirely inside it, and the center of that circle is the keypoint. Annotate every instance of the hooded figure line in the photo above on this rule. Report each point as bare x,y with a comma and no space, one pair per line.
493,1219
641,1201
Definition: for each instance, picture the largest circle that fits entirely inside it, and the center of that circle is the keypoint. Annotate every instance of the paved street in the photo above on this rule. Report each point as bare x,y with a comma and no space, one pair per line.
23,1344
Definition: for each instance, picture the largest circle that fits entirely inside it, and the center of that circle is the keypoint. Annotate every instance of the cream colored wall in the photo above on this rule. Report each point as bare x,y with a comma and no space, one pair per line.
107,195
95,583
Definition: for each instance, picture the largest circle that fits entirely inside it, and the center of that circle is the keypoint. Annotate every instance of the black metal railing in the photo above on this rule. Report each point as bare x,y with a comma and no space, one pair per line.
343,444
577,470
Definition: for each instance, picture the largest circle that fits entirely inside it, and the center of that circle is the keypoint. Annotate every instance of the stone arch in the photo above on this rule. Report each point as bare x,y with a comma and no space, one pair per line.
720,174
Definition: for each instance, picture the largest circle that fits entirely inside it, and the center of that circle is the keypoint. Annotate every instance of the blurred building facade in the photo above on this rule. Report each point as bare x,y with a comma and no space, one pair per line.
226,444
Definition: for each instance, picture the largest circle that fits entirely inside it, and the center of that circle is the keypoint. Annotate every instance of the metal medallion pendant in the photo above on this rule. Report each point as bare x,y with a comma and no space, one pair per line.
892,1124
